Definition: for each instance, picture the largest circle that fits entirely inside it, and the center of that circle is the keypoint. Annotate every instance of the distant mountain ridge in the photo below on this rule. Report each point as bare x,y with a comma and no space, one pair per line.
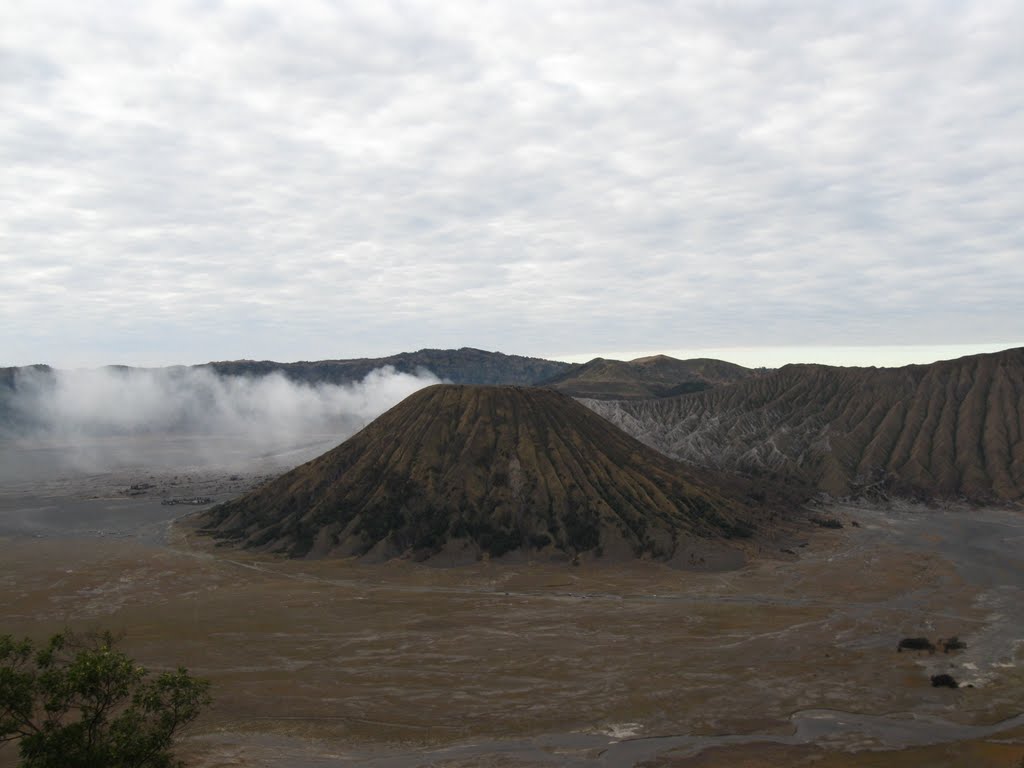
25,391
459,366
470,471
645,377
656,376
952,429
466,365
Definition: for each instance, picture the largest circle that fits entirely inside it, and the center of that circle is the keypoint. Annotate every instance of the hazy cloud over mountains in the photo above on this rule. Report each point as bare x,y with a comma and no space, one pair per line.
70,414
209,180
119,401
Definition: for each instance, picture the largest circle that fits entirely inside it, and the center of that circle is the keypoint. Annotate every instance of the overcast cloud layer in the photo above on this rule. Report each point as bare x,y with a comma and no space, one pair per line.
210,180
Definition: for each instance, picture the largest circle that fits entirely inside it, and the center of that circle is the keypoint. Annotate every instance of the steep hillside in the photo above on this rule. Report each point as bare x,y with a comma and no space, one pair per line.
951,429
459,366
645,377
489,470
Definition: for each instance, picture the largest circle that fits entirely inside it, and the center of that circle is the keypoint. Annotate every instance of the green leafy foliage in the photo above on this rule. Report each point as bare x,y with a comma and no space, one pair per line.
77,702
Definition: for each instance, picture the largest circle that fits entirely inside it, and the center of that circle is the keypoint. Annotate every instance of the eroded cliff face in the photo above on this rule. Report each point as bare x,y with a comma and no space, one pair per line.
950,429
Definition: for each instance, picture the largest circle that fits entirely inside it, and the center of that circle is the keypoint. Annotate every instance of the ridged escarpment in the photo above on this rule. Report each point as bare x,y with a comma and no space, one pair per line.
490,469
950,429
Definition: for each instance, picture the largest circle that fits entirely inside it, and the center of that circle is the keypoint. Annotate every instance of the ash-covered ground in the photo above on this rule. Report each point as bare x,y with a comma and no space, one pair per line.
789,661
131,486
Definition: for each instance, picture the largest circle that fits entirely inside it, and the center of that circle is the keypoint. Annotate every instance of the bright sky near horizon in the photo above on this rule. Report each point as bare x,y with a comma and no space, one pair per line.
202,180
776,357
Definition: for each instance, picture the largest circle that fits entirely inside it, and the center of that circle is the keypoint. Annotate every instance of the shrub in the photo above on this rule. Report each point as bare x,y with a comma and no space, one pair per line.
944,681
79,703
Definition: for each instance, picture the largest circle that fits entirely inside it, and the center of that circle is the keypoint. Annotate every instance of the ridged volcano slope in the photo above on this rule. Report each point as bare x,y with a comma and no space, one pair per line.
487,470
950,429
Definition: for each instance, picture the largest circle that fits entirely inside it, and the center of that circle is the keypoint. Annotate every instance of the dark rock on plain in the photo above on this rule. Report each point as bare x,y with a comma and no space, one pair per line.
916,644
952,644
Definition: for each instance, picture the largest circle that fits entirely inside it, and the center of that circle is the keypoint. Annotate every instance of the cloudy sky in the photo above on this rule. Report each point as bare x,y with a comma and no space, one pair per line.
187,181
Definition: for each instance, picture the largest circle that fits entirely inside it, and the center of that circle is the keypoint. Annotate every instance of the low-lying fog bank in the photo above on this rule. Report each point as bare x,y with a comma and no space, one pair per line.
111,419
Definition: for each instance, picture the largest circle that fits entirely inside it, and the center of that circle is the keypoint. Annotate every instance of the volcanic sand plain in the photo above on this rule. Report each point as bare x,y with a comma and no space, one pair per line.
790,660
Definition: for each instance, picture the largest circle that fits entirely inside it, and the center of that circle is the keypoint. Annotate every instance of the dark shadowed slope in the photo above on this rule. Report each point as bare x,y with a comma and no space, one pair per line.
488,470
645,377
952,428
